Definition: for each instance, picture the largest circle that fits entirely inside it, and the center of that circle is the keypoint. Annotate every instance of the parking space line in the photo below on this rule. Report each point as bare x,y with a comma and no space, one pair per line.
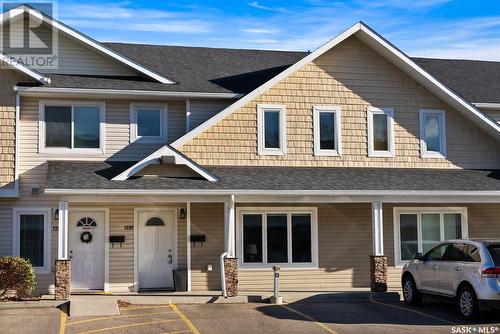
415,311
326,328
185,319
62,323
142,307
115,317
130,325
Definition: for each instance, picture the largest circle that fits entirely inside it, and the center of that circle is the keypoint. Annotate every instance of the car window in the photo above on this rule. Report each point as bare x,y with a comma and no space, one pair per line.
473,254
455,252
495,254
436,253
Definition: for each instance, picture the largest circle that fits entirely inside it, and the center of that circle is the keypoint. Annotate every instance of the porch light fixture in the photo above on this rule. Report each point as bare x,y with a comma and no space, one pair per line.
182,213
56,214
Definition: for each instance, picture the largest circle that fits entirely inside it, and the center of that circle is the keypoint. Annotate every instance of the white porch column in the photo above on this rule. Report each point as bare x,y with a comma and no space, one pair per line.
377,229
62,249
229,227
188,244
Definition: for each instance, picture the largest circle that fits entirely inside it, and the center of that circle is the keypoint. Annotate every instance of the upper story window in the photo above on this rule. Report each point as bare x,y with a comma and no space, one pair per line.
327,131
71,127
380,132
271,124
432,134
148,123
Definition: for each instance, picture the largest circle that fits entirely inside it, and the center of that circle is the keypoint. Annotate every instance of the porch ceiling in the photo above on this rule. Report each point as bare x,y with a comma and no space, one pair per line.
73,175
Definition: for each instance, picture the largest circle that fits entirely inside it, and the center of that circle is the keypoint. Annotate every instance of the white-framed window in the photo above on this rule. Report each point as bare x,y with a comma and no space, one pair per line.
277,236
31,236
380,132
327,124
148,123
432,133
71,127
420,229
271,126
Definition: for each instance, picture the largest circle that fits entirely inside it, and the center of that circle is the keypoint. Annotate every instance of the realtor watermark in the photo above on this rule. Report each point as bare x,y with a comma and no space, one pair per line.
27,37
475,329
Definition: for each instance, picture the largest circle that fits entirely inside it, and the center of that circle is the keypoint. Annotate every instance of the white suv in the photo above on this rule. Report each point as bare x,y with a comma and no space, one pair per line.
468,270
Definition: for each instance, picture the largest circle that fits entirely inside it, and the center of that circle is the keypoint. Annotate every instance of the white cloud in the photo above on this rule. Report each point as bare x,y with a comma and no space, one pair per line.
256,4
259,31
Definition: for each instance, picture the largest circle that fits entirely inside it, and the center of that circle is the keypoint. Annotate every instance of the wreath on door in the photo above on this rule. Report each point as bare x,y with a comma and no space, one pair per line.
86,237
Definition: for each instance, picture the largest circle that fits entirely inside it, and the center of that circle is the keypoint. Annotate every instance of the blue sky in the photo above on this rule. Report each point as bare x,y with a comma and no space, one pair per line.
434,28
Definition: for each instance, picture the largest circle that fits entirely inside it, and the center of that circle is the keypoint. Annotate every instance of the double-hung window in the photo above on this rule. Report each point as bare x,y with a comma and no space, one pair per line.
31,236
327,131
432,134
420,229
148,123
271,126
71,127
270,236
380,132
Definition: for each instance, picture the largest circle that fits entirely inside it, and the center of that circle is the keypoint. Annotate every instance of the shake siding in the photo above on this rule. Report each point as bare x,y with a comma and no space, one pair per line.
8,124
354,77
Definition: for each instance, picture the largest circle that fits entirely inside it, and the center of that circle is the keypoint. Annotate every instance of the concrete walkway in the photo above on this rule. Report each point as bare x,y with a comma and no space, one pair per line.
91,306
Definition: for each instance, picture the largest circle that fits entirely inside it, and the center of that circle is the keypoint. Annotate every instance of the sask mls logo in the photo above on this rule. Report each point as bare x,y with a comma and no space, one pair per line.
27,37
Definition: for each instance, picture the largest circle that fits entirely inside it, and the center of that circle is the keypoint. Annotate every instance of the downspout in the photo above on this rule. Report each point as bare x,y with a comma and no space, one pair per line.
223,274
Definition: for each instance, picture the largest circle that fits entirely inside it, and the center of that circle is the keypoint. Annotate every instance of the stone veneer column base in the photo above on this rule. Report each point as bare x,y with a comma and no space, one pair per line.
378,273
231,272
63,279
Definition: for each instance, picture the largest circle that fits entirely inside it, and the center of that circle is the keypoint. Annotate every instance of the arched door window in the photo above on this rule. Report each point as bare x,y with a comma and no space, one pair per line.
155,221
86,222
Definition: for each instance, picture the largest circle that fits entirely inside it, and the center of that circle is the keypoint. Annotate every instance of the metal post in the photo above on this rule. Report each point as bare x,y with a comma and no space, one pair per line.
276,298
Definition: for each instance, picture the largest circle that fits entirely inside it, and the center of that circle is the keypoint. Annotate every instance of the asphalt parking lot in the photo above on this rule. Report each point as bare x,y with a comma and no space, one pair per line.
301,317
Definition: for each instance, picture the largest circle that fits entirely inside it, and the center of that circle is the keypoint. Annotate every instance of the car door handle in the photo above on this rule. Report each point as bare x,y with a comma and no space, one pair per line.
458,268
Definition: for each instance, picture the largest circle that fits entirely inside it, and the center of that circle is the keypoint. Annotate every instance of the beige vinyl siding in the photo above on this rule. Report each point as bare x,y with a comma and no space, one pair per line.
118,146
353,77
201,110
72,56
207,219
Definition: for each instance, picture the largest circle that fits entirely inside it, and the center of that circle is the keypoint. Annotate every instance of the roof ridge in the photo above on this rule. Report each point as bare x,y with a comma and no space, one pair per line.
456,59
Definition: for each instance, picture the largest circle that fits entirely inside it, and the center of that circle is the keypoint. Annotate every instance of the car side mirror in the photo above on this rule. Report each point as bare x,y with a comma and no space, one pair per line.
418,256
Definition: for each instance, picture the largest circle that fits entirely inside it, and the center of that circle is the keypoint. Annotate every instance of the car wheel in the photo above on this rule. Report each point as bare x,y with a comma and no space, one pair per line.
410,293
467,303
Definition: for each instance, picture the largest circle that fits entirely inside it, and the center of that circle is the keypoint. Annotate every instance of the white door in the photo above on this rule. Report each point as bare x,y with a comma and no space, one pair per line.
86,249
155,249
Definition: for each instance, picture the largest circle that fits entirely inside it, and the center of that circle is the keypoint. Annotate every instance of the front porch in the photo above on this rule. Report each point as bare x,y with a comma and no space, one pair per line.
346,238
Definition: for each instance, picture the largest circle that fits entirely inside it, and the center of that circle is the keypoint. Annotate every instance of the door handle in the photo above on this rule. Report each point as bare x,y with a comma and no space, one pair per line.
169,259
458,268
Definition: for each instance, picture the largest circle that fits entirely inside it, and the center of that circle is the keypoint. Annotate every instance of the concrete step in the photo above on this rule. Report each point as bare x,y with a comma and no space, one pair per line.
91,306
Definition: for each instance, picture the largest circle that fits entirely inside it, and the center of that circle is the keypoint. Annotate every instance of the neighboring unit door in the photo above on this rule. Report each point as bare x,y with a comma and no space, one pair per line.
451,269
86,249
155,249
428,272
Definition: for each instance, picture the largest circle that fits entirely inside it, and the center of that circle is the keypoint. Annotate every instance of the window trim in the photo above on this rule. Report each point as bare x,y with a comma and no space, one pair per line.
318,151
389,112
313,211
442,137
134,137
64,150
397,211
47,230
261,149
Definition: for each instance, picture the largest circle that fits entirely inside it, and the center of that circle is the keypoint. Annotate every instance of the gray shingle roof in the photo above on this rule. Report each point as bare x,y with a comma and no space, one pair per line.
216,70
97,175
476,81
